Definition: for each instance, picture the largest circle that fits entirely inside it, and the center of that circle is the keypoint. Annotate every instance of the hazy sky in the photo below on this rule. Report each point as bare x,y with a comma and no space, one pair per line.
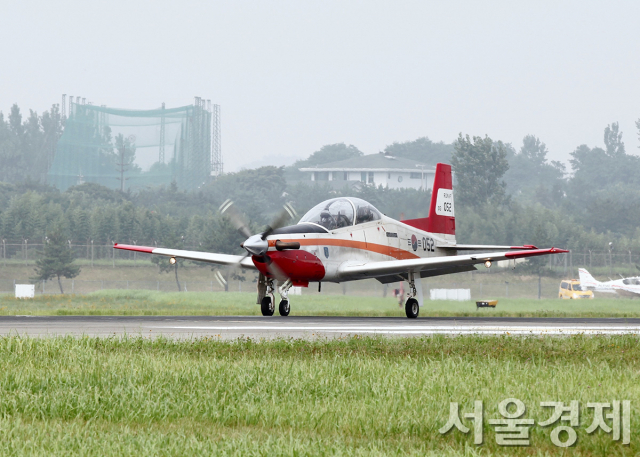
293,76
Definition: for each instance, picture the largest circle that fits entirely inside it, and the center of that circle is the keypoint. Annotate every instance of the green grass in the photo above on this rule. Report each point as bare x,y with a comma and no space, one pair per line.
143,302
370,396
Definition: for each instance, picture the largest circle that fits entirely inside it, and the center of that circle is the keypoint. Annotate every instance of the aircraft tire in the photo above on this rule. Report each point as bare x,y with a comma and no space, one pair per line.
284,308
267,306
412,308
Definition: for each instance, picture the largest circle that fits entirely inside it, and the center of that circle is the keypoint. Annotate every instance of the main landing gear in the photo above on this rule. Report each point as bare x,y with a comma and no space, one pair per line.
412,306
266,288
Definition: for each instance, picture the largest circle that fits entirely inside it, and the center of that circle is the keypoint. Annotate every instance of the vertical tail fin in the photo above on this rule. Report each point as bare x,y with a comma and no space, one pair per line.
441,214
586,280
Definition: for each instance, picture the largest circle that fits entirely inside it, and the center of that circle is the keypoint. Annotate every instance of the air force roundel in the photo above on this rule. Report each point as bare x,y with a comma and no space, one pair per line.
326,252
414,242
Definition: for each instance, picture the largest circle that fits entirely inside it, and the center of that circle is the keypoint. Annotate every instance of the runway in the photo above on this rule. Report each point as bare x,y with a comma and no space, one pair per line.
308,327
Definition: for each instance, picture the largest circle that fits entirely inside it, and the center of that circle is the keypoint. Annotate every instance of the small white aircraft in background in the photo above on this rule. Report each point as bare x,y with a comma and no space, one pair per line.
627,287
346,239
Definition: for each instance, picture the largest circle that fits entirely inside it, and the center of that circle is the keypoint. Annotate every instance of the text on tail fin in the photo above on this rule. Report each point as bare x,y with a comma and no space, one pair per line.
441,212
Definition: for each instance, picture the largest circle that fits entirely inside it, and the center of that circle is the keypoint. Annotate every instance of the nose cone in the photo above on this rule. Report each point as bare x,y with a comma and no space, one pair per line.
255,245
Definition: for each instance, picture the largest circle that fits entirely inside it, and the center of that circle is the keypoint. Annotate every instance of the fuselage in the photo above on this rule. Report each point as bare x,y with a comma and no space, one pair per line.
323,251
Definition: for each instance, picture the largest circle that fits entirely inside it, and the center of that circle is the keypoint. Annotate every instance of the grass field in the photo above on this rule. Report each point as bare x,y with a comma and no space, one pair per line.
142,302
66,396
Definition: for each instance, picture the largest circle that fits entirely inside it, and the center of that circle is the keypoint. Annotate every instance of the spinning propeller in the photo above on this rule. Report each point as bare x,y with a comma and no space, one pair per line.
257,245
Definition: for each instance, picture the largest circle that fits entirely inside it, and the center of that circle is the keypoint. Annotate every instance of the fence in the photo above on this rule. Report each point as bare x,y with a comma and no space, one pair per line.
27,252
601,264
479,289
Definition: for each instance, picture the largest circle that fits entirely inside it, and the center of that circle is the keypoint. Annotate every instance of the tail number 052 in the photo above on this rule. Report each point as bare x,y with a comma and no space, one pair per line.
428,244
446,207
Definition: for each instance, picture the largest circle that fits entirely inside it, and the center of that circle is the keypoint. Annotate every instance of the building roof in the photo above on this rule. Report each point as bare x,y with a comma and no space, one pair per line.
372,162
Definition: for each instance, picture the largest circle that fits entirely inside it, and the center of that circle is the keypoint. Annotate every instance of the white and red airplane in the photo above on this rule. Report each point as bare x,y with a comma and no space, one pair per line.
627,287
346,239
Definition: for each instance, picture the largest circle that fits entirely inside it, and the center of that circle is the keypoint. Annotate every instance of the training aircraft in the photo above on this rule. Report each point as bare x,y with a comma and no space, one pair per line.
346,239
627,287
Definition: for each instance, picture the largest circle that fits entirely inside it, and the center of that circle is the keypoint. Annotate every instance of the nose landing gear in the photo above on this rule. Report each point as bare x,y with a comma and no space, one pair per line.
266,296
285,308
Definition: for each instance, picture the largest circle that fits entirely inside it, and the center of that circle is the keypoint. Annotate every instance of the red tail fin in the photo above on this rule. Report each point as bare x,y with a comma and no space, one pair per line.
441,214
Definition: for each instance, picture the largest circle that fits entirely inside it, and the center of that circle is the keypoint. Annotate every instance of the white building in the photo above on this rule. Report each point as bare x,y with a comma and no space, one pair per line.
375,169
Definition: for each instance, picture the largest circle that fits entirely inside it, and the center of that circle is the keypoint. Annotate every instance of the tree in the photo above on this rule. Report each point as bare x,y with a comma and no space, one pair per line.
423,150
330,153
126,152
326,154
531,177
613,140
57,259
479,166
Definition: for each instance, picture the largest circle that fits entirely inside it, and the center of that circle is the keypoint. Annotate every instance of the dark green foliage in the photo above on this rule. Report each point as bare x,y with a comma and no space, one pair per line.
479,166
597,202
330,153
326,154
530,177
56,260
604,190
96,192
613,141
422,150
27,145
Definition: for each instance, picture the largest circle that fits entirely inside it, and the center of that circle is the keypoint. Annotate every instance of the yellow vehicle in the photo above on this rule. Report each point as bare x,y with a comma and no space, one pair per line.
570,289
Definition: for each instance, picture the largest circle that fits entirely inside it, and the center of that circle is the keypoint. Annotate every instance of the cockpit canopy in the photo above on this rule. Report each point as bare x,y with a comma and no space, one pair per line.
341,212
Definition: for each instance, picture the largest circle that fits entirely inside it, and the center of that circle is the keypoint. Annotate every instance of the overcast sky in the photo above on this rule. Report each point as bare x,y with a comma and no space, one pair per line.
293,76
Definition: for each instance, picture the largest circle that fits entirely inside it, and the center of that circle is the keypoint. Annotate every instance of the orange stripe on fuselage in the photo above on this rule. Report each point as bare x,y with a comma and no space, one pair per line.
396,253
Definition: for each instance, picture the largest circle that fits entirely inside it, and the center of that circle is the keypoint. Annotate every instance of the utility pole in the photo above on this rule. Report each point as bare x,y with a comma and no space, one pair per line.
162,128
121,166
610,263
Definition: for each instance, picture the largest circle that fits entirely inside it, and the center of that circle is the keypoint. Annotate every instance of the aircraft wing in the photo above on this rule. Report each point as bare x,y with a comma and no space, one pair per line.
432,266
219,259
626,290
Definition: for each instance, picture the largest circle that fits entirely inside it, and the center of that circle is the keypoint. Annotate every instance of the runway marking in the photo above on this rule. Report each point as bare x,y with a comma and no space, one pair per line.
456,330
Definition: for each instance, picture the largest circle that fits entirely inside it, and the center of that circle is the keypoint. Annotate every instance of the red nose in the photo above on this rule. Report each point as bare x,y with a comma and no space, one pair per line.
298,265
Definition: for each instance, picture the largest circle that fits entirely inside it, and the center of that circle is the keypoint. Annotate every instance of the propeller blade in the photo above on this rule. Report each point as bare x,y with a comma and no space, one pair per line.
228,210
275,270
285,215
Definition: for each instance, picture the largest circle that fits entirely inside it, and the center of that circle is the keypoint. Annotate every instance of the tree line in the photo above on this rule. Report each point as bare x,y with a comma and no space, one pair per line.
504,194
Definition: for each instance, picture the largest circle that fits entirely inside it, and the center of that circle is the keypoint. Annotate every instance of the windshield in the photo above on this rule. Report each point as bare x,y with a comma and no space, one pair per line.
331,214
577,287
365,212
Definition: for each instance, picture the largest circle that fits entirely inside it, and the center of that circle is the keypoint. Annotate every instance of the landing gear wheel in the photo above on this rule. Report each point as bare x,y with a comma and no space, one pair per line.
267,306
412,308
284,309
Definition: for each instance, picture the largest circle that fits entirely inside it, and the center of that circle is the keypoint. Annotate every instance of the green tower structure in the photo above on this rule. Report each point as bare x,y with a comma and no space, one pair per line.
132,149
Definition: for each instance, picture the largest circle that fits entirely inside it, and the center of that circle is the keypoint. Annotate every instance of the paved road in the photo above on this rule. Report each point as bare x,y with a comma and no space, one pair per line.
232,327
